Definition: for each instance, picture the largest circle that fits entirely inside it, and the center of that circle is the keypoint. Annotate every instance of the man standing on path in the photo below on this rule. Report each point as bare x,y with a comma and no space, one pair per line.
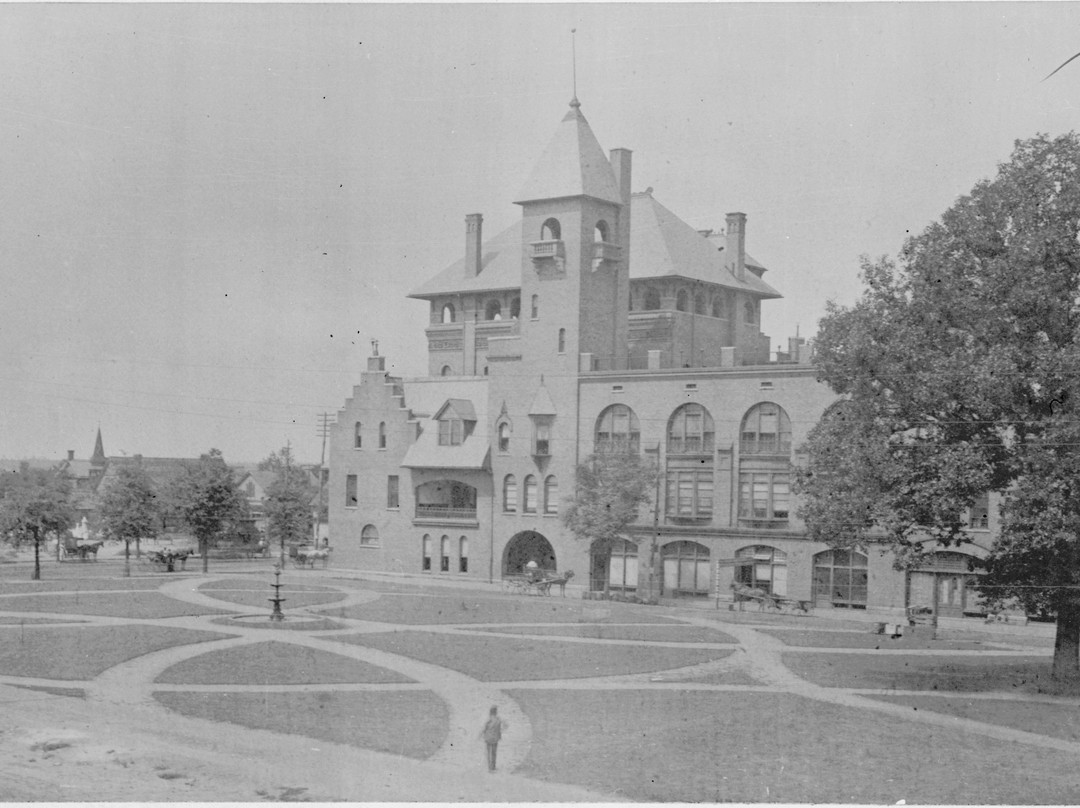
492,733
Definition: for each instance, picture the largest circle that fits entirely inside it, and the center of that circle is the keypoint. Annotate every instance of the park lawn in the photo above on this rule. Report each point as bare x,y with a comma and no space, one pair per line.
6,621
621,631
260,597
84,652
261,584
413,724
72,692
469,607
1055,720
303,622
275,663
498,659
723,677
78,585
134,604
919,640
765,747
974,673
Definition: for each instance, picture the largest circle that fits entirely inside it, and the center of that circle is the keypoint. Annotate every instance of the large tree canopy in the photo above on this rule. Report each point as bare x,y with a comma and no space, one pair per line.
208,498
289,499
129,509
959,366
610,490
34,504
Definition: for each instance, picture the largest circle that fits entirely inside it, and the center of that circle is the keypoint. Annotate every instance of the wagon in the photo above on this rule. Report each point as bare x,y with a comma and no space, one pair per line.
537,584
765,599
305,556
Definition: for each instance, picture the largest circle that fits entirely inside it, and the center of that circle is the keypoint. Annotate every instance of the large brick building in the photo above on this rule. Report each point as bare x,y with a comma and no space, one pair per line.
599,320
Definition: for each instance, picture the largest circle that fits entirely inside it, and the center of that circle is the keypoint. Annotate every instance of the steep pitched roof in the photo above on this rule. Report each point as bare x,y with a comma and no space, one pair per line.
573,164
98,457
662,244
500,269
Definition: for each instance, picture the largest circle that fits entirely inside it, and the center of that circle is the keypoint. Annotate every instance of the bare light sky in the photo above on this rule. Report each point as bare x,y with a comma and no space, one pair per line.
208,211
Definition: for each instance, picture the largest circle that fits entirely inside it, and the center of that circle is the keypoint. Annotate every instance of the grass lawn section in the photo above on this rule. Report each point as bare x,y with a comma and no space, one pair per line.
31,621
622,631
412,724
275,663
71,692
468,607
1056,720
749,747
143,605
497,659
260,597
733,677
913,672
78,585
867,639
83,653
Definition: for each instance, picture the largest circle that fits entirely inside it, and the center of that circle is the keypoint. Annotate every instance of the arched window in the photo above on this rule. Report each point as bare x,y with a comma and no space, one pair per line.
751,311
562,340
682,301
840,579
463,554
614,566
551,494
515,308
717,307
504,437
617,430
699,303
766,429
762,567
369,536
690,430
534,312
357,439
448,313
530,495
652,300
382,434
686,569
510,499
493,310
601,231
446,370
551,230
444,554
425,563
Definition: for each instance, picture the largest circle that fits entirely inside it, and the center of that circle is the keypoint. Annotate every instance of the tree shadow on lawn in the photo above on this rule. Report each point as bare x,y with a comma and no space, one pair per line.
1053,720
133,604
622,631
413,724
773,747
972,674
820,638
498,659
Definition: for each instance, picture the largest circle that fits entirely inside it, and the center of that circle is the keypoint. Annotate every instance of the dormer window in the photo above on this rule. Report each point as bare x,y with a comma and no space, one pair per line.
542,435
456,420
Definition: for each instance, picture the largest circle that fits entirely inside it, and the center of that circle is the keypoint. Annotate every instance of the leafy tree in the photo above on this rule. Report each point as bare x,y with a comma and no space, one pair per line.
288,499
208,499
129,510
959,371
610,490
34,504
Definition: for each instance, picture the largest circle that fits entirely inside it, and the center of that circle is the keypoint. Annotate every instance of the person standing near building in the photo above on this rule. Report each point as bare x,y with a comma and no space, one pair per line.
492,734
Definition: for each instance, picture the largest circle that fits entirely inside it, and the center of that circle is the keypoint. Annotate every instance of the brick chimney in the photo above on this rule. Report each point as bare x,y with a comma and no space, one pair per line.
71,454
735,245
473,256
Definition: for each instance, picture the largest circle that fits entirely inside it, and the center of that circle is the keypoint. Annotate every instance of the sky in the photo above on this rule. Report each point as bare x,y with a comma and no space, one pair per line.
209,211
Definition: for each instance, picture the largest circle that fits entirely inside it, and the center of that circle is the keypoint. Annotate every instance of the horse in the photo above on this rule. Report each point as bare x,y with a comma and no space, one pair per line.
309,557
763,598
545,586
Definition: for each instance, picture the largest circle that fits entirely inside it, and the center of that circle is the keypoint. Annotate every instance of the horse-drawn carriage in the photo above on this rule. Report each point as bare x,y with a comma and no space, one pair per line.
165,560
305,556
765,599
82,549
537,582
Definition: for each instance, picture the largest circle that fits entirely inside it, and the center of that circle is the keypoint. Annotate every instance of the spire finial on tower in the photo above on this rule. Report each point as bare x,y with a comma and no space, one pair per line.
573,50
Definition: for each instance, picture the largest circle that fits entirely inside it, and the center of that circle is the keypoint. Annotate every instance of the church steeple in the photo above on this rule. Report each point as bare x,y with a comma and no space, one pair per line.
98,457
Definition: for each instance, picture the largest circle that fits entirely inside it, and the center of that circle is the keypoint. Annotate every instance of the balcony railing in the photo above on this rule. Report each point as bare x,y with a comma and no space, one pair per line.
444,512
545,250
774,446
605,251
690,445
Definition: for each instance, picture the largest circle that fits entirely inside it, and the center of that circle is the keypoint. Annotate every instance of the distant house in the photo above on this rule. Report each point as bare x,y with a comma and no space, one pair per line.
255,485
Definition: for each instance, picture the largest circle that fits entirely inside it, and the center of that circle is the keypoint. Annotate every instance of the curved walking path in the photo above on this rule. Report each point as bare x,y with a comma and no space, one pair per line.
755,655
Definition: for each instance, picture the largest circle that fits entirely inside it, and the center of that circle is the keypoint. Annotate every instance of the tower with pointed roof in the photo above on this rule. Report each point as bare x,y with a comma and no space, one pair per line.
98,460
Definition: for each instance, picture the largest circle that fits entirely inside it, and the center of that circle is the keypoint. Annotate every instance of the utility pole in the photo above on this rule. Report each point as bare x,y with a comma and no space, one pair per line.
283,528
324,429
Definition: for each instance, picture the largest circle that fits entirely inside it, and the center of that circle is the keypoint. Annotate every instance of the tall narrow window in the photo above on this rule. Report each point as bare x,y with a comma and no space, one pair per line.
392,483
493,310
357,440
551,230
551,494
350,491
542,435
515,308
980,513
444,554
682,301
504,437
601,231
425,563
535,311
448,313
562,340
699,303
382,434
463,554
510,493
530,495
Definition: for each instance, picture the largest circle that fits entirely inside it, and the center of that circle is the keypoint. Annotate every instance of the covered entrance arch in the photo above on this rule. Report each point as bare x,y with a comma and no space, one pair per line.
526,546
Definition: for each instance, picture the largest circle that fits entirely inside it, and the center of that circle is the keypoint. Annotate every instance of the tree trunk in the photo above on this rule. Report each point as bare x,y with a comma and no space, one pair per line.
1067,642
138,548
127,558
37,557
204,548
